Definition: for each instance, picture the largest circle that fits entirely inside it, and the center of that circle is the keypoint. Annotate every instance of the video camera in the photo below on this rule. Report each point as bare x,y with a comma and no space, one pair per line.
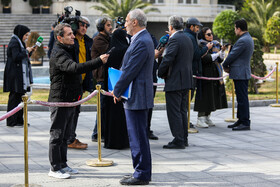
120,23
71,20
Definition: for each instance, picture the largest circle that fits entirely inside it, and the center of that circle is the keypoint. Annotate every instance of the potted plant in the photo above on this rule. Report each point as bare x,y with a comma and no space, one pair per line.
39,53
35,4
46,6
6,6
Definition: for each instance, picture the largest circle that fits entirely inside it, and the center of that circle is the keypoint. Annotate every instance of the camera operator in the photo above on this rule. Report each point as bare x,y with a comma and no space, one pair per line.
66,86
100,45
83,45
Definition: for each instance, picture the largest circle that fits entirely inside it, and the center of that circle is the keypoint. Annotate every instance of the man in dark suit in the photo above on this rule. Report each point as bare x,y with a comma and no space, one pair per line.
237,64
176,69
137,69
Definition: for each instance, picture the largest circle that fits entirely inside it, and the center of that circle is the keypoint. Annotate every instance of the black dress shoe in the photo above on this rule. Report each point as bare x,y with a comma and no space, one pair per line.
152,136
241,127
133,181
186,143
236,124
172,145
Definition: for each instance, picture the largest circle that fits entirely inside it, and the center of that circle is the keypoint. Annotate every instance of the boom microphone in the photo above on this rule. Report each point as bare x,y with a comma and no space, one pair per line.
39,41
163,41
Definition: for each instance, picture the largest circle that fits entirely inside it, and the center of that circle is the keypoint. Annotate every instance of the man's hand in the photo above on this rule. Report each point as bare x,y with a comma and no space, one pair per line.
104,58
226,70
115,98
158,53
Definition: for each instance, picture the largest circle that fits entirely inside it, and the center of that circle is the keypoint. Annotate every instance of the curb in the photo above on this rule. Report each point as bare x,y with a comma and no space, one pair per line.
161,106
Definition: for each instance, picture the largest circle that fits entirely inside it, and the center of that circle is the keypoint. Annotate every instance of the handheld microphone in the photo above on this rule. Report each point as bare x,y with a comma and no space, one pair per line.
111,50
39,41
163,41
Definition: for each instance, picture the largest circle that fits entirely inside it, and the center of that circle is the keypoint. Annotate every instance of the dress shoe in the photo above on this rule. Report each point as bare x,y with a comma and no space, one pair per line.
78,145
19,125
172,145
152,136
241,127
95,140
133,181
236,124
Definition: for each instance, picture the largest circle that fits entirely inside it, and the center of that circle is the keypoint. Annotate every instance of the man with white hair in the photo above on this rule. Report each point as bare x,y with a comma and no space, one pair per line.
137,67
82,45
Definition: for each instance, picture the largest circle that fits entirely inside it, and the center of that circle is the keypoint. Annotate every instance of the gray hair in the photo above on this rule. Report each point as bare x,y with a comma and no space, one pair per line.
59,30
85,18
140,16
176,22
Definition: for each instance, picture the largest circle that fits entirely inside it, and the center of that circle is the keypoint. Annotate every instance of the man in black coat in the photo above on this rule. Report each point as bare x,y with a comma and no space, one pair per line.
83,45
66,86
176,69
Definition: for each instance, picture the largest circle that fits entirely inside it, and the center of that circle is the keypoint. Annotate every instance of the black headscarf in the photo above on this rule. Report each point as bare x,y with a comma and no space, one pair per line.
20,31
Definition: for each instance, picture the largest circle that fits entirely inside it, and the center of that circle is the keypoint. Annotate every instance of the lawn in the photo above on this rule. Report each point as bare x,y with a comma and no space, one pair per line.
267,91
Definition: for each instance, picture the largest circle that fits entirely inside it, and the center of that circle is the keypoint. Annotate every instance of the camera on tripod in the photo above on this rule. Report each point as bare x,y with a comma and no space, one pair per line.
71,20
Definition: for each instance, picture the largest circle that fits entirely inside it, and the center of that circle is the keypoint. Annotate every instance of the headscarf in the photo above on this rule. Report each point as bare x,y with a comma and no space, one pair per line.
20,31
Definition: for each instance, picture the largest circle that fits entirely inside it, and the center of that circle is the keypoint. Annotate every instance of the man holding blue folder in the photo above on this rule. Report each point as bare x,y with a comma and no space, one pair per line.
137,68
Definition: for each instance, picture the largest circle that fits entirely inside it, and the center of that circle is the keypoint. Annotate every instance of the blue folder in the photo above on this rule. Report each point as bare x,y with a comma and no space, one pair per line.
113,77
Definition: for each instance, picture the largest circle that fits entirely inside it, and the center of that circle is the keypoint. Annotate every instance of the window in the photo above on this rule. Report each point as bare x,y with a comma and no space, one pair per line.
188,1
153,1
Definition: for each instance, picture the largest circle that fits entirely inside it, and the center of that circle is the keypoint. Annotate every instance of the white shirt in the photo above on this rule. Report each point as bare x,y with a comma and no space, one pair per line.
135,35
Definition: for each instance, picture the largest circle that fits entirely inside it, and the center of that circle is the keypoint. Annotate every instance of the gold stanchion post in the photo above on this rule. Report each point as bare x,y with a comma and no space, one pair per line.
99,162
25,98
276,105
190,130
233,119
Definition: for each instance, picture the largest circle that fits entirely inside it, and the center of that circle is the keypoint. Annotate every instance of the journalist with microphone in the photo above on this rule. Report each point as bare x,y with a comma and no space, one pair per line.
17,74
66,86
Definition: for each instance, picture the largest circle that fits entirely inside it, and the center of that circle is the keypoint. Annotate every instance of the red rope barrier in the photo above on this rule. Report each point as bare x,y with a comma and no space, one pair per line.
66,104
12,112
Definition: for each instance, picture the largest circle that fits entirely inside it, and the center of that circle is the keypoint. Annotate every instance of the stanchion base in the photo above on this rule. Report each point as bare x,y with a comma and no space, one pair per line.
192,130
231,120
29,185
99,163
275,105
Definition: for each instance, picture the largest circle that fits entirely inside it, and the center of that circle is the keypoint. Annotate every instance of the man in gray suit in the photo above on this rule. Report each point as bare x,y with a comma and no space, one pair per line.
176,69
137,68
237,64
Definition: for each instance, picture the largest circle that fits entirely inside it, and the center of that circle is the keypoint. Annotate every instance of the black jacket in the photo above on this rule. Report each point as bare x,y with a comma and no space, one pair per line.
176,65
65,74
13,75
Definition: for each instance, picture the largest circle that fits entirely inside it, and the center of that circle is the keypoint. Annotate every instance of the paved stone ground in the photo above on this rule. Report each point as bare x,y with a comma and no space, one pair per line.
216,156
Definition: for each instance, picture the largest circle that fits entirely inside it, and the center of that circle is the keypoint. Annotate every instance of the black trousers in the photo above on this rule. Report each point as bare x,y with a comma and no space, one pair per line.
14,100
150,112
61,123
241,91
177,114
73,134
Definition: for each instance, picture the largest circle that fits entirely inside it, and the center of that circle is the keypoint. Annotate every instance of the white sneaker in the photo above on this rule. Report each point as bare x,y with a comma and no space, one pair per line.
209,122
70,170
60,174
201,122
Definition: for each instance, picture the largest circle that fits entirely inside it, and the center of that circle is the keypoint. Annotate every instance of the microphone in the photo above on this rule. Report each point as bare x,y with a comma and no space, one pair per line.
39,41
163,41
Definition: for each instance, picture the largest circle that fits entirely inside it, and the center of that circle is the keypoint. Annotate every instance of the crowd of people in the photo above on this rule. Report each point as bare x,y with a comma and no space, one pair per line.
77,61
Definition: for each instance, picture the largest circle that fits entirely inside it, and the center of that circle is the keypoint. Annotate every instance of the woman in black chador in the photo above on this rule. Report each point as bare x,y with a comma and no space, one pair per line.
17,74
115,127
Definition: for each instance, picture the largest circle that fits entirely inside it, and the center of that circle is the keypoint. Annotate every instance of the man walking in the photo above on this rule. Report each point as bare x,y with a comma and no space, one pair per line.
137,67
176,69
237,64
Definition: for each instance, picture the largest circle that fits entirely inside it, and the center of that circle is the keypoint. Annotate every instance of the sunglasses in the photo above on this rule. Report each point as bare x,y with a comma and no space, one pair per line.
86,25
209,34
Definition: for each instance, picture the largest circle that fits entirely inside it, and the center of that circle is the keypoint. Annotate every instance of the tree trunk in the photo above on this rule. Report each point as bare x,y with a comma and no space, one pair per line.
275,49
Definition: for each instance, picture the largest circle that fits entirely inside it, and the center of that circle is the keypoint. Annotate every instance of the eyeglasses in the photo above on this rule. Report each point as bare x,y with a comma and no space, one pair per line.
209,34
83,24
